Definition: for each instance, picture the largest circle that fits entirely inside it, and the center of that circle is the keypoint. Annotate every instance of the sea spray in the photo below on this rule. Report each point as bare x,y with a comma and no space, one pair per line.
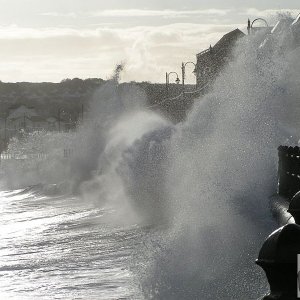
36,158
121,181
222,170
100,148
202,185
118,119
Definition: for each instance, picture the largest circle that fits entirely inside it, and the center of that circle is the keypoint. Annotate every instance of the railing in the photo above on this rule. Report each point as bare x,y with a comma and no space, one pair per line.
5,156
9,156
288,171
203,52
67,153
279,253
179,96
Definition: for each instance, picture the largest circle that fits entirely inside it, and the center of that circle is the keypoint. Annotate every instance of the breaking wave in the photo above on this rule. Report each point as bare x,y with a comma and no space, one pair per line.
203,183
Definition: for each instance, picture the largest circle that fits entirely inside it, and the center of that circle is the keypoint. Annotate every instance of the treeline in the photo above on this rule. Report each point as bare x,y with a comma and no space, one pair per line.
73,95
47,97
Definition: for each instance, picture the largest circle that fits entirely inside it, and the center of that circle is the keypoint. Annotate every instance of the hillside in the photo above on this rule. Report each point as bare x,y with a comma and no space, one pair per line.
74,94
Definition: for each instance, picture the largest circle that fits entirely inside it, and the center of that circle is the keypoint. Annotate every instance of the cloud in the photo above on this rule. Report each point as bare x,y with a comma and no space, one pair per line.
51,54
266,13
173,14
166,13
16,32
60,14
128,13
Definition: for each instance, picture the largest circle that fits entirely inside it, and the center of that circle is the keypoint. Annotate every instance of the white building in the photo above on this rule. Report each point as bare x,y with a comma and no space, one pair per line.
53,124
21,111
26,118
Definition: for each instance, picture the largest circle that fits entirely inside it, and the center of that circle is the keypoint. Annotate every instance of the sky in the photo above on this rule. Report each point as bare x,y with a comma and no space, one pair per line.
43,40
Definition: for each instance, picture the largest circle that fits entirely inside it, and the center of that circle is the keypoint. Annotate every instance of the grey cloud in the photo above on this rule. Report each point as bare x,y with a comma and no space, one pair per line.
57,53
118,13
60,14
268,12
167,13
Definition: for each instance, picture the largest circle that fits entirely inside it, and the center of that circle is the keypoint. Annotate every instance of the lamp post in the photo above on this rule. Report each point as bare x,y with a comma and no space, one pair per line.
168,80
60,110
250,25
5,127
183,72
5,115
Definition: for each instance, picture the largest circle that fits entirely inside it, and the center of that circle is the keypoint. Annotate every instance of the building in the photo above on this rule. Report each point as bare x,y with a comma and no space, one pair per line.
21,111
26,123
53,124
22,118
212,60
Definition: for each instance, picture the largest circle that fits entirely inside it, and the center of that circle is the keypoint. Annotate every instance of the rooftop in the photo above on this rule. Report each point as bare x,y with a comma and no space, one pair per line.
225,42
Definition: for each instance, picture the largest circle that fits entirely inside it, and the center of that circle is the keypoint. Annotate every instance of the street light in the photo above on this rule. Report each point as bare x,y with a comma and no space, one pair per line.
168,80
5,115
183,71
250,25
60,110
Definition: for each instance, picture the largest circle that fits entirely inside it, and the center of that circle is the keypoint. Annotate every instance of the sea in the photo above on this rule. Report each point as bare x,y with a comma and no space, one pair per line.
142,208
